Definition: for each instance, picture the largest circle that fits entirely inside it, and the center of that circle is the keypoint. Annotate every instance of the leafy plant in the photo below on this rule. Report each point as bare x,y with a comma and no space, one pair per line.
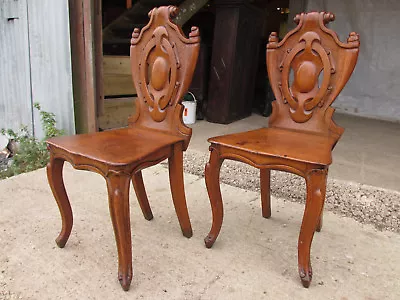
31,153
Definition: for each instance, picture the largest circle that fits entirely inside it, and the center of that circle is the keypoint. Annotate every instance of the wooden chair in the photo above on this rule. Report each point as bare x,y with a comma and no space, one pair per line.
163,62
301,133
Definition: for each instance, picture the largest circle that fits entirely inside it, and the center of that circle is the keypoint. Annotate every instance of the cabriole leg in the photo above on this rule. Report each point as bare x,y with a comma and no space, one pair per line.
118,196
56,182
212,173
316,182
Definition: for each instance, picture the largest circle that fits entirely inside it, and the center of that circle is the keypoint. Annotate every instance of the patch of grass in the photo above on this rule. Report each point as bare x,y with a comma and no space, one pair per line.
31,153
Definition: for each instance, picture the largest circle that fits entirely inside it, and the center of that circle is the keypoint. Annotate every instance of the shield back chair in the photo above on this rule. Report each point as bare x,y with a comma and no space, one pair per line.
301,133
162,61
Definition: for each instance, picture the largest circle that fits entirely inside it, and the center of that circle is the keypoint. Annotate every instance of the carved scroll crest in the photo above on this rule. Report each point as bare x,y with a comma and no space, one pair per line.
306,53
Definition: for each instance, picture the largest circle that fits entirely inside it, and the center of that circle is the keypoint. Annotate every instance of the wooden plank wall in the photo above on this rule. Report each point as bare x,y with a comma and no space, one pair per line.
51,61
35,63
117,76
15,87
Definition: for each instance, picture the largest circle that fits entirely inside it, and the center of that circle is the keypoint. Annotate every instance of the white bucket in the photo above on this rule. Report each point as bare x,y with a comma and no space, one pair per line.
189,111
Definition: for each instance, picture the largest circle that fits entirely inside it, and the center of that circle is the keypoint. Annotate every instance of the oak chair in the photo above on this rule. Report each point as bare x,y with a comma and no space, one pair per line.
307,70
162,61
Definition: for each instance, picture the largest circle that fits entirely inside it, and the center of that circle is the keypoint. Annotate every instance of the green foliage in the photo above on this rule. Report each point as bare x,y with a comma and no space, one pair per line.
31,153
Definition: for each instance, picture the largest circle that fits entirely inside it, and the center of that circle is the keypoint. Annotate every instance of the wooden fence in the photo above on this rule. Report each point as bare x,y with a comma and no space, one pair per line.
35,63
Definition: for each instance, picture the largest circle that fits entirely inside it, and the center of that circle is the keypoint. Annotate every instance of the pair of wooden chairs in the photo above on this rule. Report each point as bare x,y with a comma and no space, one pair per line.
299,139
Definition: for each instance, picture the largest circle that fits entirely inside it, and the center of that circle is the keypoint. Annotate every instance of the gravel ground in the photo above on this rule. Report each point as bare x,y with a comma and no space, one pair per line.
365,204
4,162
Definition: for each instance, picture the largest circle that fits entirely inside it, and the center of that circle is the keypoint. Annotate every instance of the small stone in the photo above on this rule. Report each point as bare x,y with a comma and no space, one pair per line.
350,259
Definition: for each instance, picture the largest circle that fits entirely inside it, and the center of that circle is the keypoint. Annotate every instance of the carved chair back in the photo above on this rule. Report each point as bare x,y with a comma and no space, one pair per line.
307,70
162,62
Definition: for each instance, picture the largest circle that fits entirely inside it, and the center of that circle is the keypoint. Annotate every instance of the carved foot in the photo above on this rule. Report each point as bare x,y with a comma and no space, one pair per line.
125,279
209,240
187,233
61,241
305,276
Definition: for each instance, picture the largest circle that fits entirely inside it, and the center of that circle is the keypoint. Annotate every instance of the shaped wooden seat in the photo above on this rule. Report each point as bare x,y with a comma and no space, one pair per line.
281,143
307,70
163,62
124,146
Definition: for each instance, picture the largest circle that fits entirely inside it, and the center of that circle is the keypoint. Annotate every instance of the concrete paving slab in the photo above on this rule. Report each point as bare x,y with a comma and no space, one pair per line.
254,258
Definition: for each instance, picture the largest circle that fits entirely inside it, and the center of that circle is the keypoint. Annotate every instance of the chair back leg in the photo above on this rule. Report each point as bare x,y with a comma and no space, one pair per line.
175,163
265,187
138,185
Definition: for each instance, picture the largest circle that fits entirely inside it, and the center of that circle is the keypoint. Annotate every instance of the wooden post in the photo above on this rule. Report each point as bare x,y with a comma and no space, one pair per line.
236,44
83,65
98,53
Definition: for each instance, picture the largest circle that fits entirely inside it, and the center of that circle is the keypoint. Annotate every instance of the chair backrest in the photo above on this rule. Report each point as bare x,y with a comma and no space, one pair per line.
307,70
162,62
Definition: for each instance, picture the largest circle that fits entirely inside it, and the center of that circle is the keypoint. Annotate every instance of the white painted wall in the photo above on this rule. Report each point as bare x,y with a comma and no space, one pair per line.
35,63
374,88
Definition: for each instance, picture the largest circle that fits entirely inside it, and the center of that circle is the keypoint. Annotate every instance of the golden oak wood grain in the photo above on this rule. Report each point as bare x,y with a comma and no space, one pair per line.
162,63
307,70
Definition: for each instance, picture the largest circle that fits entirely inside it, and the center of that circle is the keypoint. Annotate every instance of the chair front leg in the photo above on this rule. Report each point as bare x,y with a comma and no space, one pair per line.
265,187
138,185
118,196
316,187
56,182
212,173
176,181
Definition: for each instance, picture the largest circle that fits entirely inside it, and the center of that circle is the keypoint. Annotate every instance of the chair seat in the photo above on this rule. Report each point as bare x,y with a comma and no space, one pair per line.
115,147
284,143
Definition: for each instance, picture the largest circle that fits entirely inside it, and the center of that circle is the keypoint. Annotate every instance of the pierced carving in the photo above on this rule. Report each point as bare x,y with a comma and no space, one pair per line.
307,59
162,60
158,73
